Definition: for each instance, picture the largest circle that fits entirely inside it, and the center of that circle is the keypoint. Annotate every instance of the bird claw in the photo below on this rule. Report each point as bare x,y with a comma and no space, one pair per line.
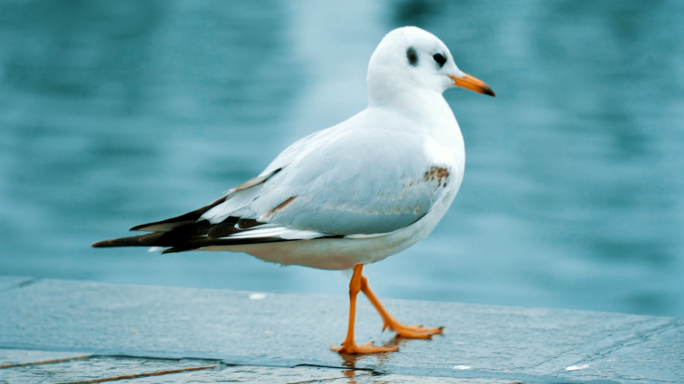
362,348
415,331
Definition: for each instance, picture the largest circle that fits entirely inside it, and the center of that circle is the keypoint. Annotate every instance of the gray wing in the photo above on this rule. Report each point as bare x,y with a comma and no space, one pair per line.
343,181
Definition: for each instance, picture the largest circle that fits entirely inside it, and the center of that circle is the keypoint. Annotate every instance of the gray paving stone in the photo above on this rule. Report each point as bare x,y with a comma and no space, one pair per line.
658,354
92,368
250,374
300,375
284,330
13,357
403,379
113,368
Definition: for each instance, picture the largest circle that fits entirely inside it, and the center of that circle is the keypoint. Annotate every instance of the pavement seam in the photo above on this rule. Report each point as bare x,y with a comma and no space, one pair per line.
329,379
53,361
140,375
434,373
387,370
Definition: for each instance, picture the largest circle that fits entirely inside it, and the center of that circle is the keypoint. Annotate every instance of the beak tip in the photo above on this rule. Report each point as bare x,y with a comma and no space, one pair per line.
473,84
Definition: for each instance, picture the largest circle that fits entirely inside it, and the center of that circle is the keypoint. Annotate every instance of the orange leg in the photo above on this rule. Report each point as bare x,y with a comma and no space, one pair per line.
411,331
349,346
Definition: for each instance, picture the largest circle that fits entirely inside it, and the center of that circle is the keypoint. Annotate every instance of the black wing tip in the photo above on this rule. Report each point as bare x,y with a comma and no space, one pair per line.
102,244
134,241
139,227
181,220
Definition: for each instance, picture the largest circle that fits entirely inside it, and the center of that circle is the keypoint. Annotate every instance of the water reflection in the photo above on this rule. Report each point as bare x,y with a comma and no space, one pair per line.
118,113
352,360
350,375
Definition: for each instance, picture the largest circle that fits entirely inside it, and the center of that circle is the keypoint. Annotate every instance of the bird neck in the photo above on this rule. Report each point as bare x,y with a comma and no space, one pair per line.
417,103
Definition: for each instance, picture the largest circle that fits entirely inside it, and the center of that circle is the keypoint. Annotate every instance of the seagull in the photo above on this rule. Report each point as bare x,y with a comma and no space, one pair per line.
352,194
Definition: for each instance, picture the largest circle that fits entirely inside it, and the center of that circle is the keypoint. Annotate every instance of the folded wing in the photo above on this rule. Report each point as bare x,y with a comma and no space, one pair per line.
336,183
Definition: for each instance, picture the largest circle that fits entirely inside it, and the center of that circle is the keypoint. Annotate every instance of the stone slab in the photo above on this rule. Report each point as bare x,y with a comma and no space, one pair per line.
11,357
287,330
94,368
656,354
173,371
300,375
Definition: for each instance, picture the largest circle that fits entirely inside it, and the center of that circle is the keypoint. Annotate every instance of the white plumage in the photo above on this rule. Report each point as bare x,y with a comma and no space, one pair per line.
354,193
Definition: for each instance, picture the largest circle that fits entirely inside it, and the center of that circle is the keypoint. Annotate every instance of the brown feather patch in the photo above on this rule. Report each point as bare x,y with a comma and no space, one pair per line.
281,206
437,173
255,181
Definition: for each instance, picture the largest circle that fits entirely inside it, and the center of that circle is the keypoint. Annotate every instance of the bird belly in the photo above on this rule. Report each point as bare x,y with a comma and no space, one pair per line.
330,254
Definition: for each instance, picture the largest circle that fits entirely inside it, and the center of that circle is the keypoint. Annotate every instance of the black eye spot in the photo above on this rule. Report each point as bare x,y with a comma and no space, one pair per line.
440,59
412,56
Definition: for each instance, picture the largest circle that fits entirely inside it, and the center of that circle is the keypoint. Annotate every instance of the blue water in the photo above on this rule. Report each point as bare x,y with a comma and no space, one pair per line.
116,113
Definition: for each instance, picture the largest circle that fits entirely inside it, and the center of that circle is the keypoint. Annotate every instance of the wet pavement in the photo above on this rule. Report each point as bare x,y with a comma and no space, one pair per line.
119,330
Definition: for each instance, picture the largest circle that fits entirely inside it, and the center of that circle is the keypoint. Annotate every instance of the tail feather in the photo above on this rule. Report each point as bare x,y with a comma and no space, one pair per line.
133,241
146,240
190,231
178,221
191,236
194,216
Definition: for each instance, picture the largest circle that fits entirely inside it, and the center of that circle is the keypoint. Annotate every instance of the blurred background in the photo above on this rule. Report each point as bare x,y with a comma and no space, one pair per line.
116,113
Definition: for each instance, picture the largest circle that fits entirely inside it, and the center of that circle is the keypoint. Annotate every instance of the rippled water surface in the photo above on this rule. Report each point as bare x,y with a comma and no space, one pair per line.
115,113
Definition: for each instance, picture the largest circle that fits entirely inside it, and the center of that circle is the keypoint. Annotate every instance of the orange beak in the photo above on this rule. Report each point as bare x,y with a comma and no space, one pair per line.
472,83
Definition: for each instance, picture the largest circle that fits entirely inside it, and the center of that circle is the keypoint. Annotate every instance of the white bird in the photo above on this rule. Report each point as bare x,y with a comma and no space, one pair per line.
351,194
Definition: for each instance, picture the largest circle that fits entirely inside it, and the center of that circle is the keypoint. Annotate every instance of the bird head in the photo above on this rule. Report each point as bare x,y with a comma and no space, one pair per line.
411,59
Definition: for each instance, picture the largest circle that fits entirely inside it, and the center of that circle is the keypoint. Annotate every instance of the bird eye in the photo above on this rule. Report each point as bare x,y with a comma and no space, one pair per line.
412,56
440,59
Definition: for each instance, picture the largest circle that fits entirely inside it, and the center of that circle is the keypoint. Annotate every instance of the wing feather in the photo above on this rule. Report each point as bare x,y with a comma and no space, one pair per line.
345,182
